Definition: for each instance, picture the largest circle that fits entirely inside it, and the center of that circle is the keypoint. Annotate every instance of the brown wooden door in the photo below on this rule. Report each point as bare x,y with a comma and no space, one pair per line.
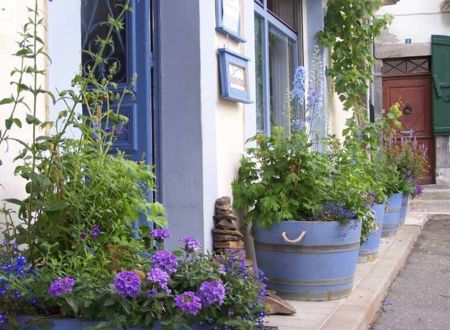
414,94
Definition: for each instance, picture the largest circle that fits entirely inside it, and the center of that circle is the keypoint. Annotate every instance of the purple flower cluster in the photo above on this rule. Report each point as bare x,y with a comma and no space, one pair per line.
188,302
61,286
95,231
418,190
160,278
165,260
127,284
191,244
211,292
336,211
160,234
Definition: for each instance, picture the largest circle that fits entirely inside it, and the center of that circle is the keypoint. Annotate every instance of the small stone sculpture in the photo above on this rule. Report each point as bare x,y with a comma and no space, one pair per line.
226,234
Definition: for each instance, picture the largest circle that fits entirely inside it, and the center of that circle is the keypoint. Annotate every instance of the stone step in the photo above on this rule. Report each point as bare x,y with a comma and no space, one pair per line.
438,194
430,206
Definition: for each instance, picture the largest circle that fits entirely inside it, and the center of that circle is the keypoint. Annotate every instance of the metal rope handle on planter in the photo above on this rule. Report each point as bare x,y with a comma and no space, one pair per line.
298,239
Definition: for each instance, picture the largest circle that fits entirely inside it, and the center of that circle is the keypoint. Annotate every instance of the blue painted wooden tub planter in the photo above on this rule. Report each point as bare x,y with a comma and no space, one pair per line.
404,209
73,324
369,249
309,260
392,215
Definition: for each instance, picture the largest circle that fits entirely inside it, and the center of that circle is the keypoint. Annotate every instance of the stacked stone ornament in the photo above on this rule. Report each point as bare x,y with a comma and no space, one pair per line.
226,233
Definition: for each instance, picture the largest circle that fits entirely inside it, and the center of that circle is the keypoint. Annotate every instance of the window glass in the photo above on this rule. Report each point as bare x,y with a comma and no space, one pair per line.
93,16
259,69
282,61
284,10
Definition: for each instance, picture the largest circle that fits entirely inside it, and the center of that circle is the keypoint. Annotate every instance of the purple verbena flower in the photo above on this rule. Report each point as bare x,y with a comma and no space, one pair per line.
95,231
188,302
211,292
191,244
83,235
160,234
159,277
165,260
127,284
61,286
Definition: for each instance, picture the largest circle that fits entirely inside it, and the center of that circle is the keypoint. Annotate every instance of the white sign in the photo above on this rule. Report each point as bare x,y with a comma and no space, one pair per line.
232,16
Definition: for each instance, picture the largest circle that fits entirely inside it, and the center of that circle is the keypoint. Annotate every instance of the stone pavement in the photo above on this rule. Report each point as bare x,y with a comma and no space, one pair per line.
419,298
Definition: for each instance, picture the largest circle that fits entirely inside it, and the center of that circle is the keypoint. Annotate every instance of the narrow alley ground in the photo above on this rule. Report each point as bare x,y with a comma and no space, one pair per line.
419,298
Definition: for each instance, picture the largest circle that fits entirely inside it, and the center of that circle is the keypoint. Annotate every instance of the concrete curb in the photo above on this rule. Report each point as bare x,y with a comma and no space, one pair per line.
358,310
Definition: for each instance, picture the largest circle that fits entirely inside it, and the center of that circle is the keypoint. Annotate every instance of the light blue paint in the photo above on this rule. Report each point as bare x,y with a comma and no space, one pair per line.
180,148
392,215
404,209
371,245
320,267
76,324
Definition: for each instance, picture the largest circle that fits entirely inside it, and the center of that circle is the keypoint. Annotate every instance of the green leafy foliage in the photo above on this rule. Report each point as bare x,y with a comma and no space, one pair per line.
281,179
79,219
350,28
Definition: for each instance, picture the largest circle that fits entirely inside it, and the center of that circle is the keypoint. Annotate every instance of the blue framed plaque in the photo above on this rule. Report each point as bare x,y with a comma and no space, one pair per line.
228,18
234,77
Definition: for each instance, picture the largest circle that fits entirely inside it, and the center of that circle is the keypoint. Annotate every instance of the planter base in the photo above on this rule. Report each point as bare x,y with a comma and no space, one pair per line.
367,257
317,296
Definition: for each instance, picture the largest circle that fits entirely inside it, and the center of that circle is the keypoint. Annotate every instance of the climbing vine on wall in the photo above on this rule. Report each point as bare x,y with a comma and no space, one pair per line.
350,27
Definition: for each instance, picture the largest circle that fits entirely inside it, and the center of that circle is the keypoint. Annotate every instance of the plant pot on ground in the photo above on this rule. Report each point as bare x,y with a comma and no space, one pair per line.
307,209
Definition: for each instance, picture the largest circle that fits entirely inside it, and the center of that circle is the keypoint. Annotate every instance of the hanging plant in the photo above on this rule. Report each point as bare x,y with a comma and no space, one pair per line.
350,27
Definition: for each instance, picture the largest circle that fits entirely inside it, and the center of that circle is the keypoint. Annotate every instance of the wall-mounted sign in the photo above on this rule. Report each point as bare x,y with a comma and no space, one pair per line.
228,18
234,81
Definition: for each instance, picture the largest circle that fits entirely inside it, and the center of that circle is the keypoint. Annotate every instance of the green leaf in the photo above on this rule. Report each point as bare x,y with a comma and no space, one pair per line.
9,122
14,201
32,120
6,100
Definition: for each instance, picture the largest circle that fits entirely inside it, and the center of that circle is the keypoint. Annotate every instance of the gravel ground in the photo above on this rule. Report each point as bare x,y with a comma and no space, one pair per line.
419,298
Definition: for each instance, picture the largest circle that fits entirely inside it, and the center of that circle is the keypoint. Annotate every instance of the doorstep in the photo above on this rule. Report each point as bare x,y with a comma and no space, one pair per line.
372,282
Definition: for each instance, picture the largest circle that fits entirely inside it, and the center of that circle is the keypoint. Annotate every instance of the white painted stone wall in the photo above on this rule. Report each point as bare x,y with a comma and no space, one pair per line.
13,14
416,20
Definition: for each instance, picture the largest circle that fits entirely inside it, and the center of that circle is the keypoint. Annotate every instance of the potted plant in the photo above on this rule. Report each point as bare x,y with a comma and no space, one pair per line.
363,142
306,209
74,256
406,162
411,162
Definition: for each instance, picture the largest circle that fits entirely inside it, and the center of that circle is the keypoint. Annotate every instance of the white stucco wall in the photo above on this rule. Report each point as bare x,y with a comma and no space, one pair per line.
416,20
13,14
223,143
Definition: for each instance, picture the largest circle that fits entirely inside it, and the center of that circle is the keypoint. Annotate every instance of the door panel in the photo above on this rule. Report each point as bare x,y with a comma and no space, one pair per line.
414,94
132,54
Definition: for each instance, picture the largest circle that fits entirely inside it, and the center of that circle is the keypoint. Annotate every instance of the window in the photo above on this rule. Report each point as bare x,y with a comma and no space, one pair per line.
277,31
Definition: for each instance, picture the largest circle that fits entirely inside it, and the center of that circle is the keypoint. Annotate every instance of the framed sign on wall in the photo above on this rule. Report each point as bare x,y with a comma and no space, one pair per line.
234,81
228,18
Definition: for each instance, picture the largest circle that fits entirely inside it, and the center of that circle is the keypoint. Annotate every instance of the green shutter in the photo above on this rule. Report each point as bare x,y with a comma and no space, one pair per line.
441,84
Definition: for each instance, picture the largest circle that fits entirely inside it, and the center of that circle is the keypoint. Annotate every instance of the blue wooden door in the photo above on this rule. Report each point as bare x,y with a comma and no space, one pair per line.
132,52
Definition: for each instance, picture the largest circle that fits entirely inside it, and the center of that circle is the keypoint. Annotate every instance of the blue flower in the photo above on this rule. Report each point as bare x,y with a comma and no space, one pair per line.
298,90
